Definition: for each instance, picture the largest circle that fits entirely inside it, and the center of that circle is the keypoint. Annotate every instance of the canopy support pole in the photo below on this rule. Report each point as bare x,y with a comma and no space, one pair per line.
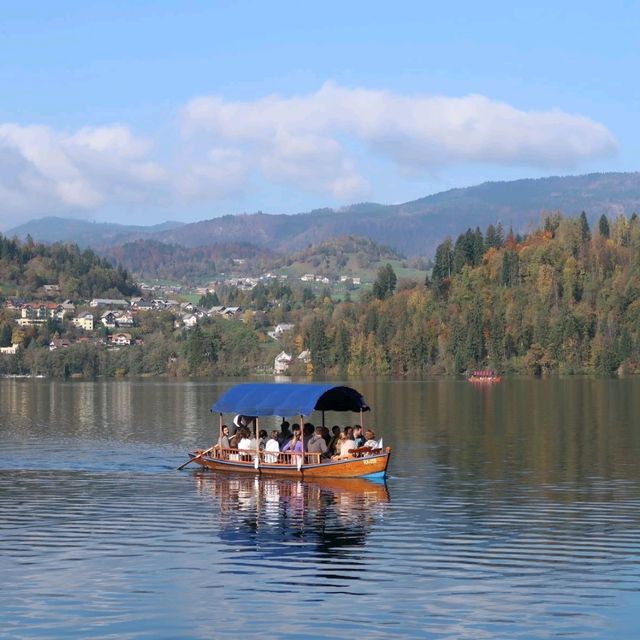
302,435
257,425
323,419
362,418
220,436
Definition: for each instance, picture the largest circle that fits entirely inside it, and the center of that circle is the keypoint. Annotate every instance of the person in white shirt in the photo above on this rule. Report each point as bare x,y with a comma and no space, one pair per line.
273,446
246,443
345,444
370,439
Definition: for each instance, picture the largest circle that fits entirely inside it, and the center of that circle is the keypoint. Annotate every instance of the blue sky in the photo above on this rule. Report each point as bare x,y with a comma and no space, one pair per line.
150,111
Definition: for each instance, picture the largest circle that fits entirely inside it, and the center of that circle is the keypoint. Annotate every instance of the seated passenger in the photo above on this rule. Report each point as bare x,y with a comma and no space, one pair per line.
371,440
308,432
285,433
223,439
294,427
234,438
247,444
263,439
358,438
295,444
317,444
333,443
272,445
345,446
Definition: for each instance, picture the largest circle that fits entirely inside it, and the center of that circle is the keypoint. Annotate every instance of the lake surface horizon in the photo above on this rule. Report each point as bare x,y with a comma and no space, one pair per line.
510,511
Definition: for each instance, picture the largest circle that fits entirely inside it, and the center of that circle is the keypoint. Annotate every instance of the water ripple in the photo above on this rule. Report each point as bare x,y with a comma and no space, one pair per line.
472,538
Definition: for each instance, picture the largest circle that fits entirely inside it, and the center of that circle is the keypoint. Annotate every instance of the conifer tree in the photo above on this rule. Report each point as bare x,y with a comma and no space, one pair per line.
443,265
385,283
603,226
585,232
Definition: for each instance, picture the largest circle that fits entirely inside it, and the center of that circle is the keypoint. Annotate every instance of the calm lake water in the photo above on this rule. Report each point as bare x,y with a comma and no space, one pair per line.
511,511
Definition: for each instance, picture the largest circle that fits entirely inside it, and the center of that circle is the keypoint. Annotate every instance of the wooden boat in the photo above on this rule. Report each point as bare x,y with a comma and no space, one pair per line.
484,376
298,400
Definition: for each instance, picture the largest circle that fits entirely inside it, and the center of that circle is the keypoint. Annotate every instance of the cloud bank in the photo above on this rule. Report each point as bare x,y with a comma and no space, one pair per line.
42,170
323,142
416,132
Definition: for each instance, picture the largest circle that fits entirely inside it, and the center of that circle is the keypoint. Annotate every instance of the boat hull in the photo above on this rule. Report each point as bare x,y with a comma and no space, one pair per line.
368,466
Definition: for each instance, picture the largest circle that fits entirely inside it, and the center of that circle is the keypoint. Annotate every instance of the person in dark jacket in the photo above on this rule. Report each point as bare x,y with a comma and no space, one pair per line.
317,444
358,438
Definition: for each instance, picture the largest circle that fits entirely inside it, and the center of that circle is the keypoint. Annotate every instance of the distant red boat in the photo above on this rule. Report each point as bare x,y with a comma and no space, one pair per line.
484,376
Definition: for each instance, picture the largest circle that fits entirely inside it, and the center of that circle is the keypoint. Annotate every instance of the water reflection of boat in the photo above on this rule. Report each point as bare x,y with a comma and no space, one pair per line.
271,513
298,400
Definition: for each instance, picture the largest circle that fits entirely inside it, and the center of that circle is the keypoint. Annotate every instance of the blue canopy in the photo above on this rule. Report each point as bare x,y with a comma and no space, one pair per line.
288,399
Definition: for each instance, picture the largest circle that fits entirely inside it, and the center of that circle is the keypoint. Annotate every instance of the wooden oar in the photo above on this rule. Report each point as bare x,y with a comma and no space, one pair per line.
182,466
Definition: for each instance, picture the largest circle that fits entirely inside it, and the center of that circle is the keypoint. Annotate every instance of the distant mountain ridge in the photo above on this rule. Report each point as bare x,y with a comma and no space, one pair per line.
414,228
55,229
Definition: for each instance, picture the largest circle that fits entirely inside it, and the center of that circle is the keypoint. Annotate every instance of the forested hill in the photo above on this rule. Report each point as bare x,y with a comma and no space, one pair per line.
414,228
154,259
562,299
26,267
335,254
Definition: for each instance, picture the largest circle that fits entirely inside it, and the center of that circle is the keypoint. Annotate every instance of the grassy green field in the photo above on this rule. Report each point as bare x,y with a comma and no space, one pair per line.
339,290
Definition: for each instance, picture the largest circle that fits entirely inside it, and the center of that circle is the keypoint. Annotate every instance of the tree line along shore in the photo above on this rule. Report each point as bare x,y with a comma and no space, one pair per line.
560,299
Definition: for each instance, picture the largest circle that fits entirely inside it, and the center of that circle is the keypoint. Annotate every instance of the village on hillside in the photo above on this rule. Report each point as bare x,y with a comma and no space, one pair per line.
66,312
115,323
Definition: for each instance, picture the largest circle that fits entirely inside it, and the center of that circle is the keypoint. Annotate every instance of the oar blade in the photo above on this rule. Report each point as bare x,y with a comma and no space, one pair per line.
202,453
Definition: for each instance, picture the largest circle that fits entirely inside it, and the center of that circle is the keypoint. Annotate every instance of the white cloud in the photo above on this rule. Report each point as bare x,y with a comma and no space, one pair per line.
323,142
43,171
306,139
218,174
313,162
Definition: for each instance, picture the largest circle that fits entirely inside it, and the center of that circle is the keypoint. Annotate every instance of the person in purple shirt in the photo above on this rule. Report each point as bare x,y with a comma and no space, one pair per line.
295,444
